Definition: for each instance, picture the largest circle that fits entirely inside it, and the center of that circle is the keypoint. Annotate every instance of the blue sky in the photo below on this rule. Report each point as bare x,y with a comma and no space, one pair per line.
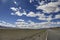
12,11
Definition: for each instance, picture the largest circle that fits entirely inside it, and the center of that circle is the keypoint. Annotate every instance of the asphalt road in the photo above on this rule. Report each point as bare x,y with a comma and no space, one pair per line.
53,34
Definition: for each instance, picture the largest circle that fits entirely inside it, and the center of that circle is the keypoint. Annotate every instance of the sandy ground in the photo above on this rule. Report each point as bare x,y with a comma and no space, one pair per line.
17,34
25,34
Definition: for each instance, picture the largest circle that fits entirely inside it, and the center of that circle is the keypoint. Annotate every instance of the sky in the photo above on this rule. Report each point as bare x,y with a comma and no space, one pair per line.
33,14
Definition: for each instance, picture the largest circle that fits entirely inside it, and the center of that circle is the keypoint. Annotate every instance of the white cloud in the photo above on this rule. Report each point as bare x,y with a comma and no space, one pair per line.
57,16
31,14
12,14
19,20
17,12
41,3
24,12
21,23
15,2
14,9
50,7
53,24
32,25
47,8
5,24
43,17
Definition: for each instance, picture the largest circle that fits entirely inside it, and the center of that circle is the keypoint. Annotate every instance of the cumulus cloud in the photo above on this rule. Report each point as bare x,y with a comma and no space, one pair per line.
43,17
14,9
41,3
31,14
50,7
19,20
17,12
53,24
21,23
57,16
32,25
47,8
5,24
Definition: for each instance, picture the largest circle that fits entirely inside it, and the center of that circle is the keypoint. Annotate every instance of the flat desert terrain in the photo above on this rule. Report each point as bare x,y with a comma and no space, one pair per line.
29,34
22,34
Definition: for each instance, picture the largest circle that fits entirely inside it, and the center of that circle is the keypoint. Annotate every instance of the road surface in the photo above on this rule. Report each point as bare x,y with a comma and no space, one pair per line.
53,34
